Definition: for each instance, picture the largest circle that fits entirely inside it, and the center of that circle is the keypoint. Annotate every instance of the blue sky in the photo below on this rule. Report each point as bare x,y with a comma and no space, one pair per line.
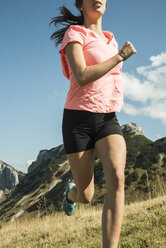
33,88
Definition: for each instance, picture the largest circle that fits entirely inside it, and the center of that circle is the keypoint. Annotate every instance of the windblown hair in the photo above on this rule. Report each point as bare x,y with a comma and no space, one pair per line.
66,19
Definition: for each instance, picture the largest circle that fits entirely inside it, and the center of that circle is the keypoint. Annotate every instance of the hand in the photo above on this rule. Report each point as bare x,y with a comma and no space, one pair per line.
127,50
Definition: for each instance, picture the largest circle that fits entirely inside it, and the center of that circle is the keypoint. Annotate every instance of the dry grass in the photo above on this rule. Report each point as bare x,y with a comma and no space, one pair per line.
144,225
57,230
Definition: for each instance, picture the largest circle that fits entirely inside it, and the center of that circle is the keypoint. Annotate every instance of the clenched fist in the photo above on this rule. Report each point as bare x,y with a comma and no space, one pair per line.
127,50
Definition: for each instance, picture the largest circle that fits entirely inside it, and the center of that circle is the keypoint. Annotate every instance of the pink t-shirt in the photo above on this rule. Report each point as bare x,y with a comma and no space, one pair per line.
103,95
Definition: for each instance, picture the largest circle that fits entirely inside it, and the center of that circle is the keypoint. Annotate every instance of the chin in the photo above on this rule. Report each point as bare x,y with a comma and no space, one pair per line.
100,10
99,13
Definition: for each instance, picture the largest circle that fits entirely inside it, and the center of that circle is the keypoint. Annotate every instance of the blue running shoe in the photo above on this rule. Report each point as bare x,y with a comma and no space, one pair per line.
68,207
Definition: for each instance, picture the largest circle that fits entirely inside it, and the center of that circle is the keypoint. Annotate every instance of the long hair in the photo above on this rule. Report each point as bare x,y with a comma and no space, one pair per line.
66,19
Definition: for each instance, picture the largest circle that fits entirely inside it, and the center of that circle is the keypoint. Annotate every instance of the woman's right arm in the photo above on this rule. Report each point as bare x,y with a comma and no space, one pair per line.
87,74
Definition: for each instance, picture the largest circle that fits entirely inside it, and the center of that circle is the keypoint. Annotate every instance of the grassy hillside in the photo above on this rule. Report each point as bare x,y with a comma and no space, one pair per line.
140,184
144,225
43,188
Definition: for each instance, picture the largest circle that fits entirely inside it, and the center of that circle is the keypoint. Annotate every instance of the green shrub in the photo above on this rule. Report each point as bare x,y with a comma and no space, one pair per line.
132,177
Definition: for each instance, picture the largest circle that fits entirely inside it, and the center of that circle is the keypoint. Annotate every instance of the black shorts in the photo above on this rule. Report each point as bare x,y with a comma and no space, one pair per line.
81,129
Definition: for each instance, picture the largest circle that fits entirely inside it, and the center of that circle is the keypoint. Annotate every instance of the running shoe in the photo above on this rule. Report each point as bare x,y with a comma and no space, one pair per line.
68,207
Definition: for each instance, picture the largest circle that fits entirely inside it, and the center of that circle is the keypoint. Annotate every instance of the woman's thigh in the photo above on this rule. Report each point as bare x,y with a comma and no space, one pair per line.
82,167
112,153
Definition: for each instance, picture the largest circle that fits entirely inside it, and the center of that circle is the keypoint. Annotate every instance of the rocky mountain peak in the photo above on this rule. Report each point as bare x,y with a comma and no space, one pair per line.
132,129
8,176
47,155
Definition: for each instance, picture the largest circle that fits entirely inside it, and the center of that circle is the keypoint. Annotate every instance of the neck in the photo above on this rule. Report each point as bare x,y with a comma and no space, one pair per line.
94,25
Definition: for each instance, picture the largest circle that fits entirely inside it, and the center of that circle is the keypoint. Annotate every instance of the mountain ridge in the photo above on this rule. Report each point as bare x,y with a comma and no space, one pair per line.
42,189
9,177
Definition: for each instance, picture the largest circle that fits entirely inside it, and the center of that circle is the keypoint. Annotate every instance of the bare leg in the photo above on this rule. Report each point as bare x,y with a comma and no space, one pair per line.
82,167
112,218
112,153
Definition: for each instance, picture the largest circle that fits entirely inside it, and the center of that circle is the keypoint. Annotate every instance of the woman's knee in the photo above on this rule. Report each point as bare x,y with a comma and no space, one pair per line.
116,179
120,178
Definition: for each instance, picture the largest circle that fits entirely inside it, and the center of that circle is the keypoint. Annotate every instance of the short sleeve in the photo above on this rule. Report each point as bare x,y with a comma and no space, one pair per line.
74,33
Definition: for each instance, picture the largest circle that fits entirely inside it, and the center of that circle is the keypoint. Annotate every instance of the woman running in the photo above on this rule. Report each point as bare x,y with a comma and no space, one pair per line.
92,62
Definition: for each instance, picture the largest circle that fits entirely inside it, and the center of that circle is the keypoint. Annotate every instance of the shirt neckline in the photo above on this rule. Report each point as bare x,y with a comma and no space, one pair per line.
106,33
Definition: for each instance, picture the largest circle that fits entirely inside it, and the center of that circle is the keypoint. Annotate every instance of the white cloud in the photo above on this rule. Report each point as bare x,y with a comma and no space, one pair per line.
158,60
153,110
130,109
157,109
29,162
149,92
136,90
158,136
156,75
56,96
